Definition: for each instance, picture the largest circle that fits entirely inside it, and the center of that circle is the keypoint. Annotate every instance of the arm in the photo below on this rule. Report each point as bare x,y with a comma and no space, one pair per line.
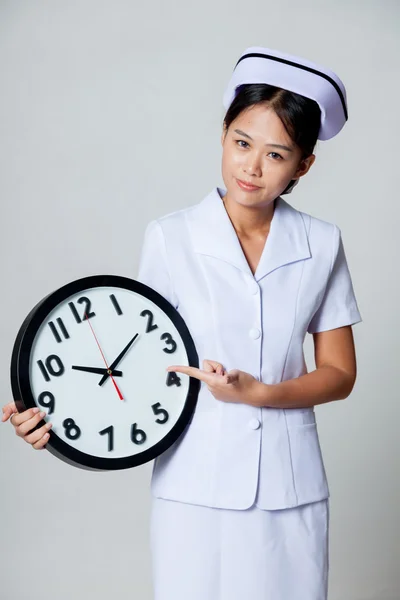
333,379
334,352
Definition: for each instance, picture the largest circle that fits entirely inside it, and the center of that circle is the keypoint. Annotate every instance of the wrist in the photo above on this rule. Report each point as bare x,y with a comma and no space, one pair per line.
266,395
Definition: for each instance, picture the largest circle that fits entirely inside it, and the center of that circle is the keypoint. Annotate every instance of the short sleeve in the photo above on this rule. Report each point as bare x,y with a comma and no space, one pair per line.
153,265
339,306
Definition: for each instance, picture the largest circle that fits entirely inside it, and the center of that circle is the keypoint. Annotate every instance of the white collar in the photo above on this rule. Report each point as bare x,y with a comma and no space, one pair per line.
214,235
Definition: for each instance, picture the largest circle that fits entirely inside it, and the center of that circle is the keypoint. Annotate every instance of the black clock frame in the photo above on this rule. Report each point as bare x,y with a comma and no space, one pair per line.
20,381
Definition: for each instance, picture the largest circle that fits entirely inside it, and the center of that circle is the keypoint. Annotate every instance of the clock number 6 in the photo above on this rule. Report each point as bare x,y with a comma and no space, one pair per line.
138,436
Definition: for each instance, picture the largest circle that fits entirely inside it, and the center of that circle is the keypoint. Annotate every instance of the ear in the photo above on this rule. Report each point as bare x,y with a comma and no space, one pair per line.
223,134
304,166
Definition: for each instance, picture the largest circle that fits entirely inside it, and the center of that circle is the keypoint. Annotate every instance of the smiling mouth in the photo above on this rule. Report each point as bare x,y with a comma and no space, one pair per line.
247,186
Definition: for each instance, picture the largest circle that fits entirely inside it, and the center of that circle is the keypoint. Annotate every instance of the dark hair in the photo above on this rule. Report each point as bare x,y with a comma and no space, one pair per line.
300,116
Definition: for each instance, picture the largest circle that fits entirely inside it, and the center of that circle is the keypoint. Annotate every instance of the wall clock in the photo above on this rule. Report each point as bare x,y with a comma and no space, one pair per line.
93,355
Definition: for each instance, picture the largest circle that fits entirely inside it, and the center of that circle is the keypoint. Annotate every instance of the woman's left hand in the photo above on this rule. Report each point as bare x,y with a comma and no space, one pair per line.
232,386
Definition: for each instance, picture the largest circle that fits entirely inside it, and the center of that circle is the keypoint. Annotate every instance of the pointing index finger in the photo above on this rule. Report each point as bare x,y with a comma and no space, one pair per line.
191,371
208,378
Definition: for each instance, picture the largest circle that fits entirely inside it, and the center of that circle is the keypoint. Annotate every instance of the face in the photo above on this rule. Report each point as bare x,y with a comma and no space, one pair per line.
258,150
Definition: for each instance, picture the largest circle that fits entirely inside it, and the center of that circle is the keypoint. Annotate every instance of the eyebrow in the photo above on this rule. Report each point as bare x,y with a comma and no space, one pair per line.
240,132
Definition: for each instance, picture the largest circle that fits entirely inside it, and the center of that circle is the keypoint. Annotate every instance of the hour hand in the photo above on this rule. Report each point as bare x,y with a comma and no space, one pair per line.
98,371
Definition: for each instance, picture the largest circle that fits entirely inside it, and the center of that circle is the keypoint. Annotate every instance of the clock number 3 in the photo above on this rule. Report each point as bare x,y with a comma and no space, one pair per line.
169,341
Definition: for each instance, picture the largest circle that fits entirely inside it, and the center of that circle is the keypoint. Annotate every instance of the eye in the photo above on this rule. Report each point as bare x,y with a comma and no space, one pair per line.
276,154
241,142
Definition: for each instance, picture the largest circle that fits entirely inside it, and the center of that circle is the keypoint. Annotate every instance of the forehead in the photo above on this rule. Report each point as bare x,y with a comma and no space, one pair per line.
261,121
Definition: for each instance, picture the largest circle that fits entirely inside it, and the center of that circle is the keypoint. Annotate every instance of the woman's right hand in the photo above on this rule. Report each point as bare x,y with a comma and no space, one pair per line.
24,422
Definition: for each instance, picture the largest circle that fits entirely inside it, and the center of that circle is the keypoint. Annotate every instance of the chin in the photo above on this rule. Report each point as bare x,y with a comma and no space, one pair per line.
256,198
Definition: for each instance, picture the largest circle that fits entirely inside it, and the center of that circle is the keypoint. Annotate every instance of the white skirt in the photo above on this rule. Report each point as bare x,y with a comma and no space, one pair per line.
203,553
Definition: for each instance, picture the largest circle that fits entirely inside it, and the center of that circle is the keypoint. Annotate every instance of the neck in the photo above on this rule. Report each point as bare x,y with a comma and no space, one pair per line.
249,220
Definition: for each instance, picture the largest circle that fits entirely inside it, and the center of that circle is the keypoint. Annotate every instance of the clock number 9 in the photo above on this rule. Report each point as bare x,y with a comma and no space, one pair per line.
49,404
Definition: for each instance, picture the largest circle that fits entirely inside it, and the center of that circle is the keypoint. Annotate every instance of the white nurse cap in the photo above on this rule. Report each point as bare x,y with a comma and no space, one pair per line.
264,65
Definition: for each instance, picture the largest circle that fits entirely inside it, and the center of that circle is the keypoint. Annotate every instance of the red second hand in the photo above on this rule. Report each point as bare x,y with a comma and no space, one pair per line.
104,358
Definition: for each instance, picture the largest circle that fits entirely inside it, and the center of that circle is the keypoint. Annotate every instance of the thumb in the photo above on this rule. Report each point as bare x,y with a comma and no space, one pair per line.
8,410
212,366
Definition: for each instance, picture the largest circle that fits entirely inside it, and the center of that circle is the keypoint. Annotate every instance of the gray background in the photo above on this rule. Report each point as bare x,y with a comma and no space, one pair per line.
110,116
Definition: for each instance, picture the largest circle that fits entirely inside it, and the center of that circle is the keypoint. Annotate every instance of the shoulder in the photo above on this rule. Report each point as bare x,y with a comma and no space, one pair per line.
173,223
318,227
176,218
324,237
321,233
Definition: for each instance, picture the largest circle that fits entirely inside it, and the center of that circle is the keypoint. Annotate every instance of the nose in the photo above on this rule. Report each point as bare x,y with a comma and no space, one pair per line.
252,165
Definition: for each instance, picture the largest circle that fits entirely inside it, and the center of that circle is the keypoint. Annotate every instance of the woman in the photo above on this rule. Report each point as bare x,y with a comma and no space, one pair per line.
240,501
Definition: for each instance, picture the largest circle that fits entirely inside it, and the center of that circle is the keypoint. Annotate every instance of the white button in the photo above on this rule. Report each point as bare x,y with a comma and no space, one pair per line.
254,423
254,334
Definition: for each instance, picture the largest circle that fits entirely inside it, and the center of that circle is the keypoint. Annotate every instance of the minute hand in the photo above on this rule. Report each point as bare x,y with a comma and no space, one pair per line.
118,359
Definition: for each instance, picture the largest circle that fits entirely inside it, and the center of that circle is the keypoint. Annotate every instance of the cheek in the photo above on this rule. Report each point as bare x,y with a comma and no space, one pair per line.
231,160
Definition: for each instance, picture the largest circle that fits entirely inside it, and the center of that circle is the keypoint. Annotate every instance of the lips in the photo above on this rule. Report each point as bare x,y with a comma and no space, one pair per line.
247,186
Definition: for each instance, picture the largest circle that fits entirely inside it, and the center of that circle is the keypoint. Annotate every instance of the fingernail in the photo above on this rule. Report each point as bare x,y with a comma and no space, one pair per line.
36,409
48,425
42,414
46,436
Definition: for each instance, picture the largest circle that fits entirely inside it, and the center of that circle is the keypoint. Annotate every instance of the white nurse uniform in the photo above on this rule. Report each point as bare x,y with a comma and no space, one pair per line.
240,501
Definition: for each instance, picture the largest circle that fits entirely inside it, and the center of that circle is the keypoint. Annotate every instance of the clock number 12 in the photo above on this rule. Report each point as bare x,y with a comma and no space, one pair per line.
87,311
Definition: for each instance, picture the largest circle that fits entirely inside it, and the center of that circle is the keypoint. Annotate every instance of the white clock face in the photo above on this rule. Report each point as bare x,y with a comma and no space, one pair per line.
69,372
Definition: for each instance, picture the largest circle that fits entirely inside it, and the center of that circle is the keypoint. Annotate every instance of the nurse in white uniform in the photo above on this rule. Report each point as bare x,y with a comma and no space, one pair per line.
240,502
